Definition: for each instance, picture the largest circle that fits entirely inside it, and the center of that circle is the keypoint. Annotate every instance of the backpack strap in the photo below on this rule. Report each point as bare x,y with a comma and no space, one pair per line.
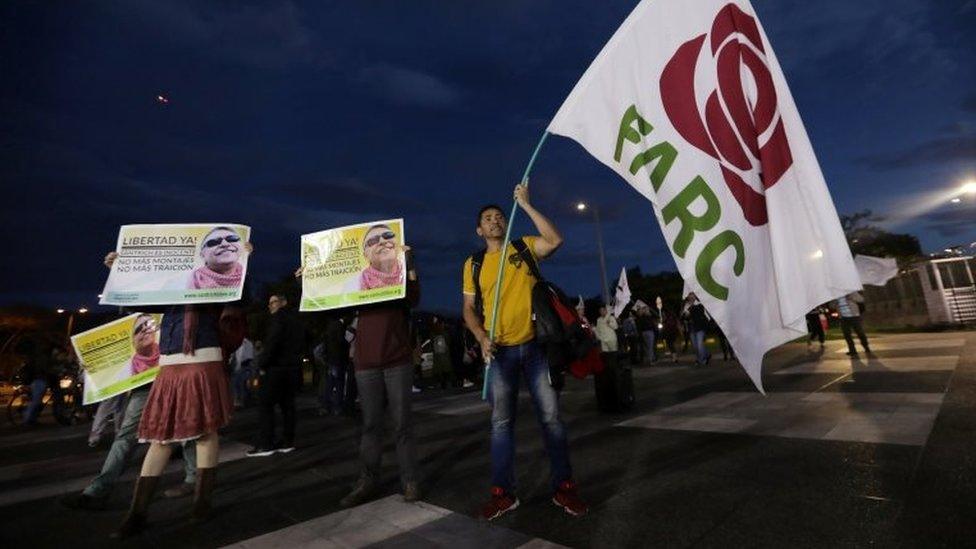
523,250
477,260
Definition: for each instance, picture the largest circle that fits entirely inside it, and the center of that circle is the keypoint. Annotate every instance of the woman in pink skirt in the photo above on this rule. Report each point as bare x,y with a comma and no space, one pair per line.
189,400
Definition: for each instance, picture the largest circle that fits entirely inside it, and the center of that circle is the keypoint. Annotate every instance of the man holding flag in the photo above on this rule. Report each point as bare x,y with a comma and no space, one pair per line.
514,354
688,104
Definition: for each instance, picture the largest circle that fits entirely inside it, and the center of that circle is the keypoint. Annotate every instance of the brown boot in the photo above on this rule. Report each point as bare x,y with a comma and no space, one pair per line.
135,520
206,479
182,490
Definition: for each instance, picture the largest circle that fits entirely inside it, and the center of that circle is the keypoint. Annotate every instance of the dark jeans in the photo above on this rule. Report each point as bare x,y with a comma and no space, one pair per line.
333,387
390,386
352,390
815,328
649,344
526,361
278,387
849,323
240,383
38,388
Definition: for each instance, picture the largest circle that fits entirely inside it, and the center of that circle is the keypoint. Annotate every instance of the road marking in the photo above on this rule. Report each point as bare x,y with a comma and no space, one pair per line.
873,364
893,418
391,522
229,451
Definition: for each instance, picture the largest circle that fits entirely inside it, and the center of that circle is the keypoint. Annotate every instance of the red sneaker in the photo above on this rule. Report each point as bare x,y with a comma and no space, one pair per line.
567,498
499,504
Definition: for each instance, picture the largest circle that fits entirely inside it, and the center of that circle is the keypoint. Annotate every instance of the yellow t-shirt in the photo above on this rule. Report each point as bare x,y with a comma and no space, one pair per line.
515,305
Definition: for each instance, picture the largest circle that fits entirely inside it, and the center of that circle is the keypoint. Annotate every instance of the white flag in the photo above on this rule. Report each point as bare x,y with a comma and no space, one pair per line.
876,271
688,103
621,297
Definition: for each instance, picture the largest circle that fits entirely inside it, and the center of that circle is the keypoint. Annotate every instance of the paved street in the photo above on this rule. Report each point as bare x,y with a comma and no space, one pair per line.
879,451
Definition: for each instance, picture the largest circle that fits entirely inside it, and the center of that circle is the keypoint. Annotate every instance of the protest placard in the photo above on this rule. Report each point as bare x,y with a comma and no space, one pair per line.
353,265
119,356
176,264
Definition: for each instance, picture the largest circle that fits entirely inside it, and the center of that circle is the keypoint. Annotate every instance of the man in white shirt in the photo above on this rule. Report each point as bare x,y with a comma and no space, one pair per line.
850,319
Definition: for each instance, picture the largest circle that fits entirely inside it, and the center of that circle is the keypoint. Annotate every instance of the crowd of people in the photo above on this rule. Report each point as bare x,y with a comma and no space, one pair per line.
368,361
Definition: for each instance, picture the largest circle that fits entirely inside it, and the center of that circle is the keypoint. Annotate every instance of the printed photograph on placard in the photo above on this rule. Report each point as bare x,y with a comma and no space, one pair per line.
119,356
174,264
353,265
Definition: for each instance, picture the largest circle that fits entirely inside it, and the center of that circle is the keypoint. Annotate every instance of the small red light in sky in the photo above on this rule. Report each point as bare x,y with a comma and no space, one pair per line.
162,99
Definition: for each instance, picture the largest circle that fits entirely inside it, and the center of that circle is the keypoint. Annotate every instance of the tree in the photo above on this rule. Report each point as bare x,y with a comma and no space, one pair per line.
866,239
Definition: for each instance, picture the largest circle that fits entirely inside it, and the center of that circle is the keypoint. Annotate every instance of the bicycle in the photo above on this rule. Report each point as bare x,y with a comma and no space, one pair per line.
65,398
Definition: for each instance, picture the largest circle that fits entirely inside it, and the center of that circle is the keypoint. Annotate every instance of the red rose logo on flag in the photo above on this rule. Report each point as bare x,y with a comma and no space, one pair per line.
744,133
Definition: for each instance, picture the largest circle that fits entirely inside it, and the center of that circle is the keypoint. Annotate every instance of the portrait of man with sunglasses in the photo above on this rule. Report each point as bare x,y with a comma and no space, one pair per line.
221,252
382,251
145,344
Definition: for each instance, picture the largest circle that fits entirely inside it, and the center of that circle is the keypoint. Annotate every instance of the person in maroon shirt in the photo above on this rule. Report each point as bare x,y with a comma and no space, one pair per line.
382,358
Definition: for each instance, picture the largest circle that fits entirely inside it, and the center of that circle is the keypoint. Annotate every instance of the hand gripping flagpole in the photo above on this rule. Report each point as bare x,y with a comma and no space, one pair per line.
501,264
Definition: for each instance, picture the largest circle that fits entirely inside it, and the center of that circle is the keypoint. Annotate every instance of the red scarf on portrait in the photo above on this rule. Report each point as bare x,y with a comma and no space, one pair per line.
205,278
374,278
141,363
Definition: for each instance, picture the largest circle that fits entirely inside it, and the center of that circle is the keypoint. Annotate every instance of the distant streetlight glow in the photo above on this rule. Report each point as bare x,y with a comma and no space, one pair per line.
82,310
956,200
60,311
582,207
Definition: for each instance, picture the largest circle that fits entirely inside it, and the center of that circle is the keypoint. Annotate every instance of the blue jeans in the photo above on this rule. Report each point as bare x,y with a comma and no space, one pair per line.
240,380
38,387
126,439
529,361
114,407
698,340
649,342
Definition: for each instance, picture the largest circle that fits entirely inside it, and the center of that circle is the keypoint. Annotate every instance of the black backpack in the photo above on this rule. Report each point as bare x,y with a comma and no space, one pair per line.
560,331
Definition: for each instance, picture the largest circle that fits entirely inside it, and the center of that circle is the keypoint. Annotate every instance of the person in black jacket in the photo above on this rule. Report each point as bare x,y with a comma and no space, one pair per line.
280,370
699,321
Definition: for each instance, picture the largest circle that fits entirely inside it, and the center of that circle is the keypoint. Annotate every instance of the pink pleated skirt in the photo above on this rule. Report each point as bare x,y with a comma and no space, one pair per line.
186,402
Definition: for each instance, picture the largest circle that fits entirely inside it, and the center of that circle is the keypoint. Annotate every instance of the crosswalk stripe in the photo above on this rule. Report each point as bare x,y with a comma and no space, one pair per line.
229,451
911,345
391,522
900,364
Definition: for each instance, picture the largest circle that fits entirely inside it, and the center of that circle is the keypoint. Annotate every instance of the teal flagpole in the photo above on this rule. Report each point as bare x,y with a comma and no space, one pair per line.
501,264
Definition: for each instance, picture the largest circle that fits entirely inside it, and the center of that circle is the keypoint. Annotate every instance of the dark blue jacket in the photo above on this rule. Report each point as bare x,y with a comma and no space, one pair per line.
171,331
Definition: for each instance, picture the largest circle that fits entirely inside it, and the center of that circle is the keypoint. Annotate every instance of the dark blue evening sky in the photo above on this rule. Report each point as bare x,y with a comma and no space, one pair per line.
298,116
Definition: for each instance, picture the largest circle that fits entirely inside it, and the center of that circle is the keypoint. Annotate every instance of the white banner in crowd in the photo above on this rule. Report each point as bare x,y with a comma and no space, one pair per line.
688,103
621,296
876,271
175,264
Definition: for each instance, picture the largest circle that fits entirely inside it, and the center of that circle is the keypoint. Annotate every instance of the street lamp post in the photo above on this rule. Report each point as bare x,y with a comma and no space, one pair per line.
71,318
582,206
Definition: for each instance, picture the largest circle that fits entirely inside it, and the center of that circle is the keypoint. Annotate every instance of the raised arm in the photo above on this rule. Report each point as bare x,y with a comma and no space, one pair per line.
549,238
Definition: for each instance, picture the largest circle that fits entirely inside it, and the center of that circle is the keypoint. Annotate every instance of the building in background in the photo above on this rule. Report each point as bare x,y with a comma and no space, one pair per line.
936,291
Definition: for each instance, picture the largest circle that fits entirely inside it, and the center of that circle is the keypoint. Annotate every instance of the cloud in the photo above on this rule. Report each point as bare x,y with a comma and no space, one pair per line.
969,103
943,149
409,87
958,221
809,36
347,195
265,36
